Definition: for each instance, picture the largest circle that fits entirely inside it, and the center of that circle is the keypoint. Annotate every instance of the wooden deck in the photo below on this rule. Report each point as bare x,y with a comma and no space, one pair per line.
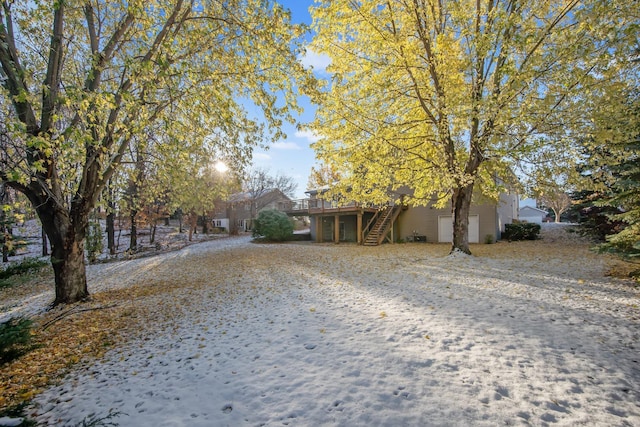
319,207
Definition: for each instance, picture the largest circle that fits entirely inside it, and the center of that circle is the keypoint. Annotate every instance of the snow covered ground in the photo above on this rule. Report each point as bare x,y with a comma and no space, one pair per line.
342,335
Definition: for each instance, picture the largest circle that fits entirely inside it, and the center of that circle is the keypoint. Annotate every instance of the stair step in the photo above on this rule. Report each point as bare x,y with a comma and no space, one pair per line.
382,222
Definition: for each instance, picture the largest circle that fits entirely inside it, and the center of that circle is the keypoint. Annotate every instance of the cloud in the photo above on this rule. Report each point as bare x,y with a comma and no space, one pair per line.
308,135
261,156
317,62
285,145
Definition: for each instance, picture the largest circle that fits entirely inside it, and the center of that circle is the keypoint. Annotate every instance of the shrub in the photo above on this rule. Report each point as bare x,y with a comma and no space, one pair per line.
521,231
15,339
273,225
27,265
18,411
94,245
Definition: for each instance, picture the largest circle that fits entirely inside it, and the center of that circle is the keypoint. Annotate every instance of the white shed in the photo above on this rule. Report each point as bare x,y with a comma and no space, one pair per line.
531,214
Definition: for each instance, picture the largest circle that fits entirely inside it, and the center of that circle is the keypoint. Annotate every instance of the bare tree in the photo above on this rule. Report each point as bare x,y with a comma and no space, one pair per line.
259,181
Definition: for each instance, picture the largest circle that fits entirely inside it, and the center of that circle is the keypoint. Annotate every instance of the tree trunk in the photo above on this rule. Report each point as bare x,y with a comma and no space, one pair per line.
4,236
111,220
193,223
45,243
461,208
69,271
233,225
205,223
154,226
133,238
557,214
111,232
5,249
66,235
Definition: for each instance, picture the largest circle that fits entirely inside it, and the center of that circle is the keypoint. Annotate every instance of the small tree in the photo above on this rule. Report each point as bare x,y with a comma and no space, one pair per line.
558,201
625,198
15,338
273,225
614,172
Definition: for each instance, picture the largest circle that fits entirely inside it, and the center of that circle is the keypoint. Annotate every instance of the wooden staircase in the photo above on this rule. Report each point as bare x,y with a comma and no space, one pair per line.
380,225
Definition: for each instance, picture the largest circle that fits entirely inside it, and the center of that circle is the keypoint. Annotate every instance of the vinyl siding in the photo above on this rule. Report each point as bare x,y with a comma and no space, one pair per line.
424,220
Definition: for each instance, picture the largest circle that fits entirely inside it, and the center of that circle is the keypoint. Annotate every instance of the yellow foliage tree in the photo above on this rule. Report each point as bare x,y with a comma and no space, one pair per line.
439,96
82,79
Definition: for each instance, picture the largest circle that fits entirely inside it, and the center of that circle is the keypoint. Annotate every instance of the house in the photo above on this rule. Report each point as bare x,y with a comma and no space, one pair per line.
332,221
486,221
531,214
371,225
241,209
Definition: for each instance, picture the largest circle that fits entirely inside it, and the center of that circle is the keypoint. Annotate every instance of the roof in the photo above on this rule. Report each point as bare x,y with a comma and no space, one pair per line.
247,195
316,191
534,210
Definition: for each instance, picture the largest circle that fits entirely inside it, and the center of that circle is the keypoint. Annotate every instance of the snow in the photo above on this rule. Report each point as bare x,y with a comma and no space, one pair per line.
10,422
343,335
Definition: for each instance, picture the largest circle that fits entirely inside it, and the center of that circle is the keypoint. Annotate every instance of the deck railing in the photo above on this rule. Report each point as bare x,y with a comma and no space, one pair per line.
309,206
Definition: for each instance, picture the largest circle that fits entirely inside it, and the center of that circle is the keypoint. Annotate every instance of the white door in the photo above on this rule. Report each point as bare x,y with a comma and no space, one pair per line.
445,229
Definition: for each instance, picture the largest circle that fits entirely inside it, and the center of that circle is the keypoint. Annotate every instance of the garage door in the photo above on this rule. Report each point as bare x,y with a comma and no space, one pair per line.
445,229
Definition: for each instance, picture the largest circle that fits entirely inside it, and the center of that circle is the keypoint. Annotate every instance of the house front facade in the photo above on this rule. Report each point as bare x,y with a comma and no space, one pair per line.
242,208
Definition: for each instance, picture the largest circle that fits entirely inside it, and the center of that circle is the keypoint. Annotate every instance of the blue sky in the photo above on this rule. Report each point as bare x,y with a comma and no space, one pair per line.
293,156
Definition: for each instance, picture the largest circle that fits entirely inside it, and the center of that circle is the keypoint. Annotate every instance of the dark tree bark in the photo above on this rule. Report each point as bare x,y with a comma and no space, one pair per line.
461,208
5,248
4,236
45,243
111,232
205,223
233,226
154,226
193,224
133,238
4,229
66,230
69,271
111,221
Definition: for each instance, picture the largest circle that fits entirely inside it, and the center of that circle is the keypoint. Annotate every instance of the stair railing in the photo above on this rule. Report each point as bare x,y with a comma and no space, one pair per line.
391,216
365,230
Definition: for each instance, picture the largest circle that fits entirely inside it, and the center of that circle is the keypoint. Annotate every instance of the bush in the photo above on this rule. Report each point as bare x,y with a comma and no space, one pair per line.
521,231
15,339
27,265
273,225
93,241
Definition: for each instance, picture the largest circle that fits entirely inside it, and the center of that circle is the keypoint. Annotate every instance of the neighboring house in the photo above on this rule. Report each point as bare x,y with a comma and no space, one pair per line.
242,208
371,225
531,214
